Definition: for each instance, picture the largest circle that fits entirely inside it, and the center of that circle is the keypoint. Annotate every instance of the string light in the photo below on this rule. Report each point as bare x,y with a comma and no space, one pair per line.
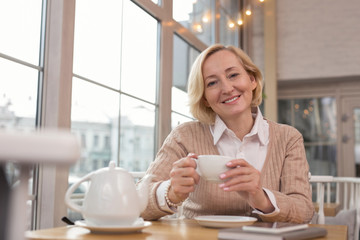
248,10
198,28
239,20
231,25
205,18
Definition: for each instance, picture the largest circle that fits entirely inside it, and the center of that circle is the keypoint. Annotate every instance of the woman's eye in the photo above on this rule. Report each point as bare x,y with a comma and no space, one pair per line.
211,83
233,75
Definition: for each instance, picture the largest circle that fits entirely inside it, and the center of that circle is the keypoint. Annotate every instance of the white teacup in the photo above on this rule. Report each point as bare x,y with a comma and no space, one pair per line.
210,167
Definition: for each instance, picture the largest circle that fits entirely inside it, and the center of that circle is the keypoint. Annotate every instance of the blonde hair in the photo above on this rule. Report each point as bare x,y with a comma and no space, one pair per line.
196,82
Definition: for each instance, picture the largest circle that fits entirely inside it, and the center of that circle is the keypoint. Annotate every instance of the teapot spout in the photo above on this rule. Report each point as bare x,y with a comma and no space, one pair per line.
143,191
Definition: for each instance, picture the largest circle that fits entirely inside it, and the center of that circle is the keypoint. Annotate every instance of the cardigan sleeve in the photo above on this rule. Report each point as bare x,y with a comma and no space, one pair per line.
293,192
171,151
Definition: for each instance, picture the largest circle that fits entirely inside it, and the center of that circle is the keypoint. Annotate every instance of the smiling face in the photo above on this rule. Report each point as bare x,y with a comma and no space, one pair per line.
228,87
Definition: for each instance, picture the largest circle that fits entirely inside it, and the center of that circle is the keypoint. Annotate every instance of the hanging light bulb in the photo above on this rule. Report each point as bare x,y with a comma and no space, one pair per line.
205,18
231,24
239,20
198,28
248,10
261,0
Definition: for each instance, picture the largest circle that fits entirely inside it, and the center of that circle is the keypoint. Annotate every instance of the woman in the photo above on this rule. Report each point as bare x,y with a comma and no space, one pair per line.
268,177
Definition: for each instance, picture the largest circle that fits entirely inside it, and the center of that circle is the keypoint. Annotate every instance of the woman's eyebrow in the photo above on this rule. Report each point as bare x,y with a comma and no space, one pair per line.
230,68
210,76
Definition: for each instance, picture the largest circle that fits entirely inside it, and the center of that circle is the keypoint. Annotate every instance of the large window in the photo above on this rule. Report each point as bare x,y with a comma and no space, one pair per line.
114,85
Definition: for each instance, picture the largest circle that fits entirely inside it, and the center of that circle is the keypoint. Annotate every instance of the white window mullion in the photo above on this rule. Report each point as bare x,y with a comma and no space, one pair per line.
166,68
56,106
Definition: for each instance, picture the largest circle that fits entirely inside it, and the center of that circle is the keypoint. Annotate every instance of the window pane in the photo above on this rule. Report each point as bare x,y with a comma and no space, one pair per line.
137,134
20,22
179,102
97,43
322,159
316,120
18,95
95,123
197,16
184,56
229,29
177,119
139,53
285,111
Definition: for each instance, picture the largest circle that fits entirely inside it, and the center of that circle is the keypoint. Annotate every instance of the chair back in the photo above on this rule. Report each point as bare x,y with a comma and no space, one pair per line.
347,196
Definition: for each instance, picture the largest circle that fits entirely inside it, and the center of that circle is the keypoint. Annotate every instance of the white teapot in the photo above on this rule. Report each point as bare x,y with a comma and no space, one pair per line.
112,198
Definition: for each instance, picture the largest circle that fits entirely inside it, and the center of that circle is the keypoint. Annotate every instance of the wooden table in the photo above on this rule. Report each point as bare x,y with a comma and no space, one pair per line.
161,230
330,209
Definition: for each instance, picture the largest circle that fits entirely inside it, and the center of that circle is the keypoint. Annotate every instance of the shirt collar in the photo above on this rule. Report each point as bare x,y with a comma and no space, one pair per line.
219,128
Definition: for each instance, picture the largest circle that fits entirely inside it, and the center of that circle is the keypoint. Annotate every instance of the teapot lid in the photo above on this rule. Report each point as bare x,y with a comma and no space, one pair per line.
111,168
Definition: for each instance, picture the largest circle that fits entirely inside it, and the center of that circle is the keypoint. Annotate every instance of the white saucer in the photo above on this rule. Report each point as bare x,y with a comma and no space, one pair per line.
113,229
221,221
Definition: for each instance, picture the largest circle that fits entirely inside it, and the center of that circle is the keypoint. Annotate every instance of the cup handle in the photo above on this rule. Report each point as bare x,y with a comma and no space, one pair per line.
71,189
197,169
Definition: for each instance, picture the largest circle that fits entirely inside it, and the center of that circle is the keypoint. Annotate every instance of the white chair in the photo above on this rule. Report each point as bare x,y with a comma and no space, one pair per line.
347,195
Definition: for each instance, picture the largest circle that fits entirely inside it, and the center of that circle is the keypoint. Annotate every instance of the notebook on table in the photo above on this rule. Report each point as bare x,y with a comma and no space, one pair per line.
272,231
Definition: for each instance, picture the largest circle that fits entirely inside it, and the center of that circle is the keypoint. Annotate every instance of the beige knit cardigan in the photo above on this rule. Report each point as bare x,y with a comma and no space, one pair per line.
285,173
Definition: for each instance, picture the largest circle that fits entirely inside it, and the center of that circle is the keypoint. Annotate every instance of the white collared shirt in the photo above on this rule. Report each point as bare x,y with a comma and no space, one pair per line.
252,148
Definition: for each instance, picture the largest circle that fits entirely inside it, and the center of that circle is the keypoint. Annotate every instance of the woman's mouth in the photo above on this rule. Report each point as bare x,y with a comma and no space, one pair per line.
231,99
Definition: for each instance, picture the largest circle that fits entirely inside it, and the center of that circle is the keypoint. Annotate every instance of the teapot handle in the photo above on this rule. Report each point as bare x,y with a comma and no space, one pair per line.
71,189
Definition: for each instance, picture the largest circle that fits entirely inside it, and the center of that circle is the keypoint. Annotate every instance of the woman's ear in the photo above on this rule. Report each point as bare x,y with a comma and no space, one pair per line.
253,82
205,102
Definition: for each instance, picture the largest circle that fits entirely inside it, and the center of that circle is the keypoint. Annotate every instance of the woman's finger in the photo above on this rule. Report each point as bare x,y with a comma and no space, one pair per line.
236,171
185,162
183,181
183,172
238,163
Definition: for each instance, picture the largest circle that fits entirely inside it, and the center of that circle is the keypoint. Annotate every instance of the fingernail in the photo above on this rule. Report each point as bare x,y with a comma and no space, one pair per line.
222,176
226,189
222,185
229,164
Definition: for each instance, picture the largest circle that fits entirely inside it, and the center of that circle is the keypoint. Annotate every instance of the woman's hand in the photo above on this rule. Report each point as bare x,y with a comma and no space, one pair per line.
245,179
183,178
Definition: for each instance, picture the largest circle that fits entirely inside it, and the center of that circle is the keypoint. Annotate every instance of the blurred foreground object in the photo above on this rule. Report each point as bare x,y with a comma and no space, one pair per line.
58,147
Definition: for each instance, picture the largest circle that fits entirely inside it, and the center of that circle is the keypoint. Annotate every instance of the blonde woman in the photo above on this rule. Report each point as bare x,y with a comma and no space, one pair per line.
268,176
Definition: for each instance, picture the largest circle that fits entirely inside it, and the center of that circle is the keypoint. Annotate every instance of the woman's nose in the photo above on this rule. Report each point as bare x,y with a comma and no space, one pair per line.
227,86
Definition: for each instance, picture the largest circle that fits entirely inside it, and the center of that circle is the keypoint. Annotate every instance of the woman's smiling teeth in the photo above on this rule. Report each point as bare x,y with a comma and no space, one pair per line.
231,100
